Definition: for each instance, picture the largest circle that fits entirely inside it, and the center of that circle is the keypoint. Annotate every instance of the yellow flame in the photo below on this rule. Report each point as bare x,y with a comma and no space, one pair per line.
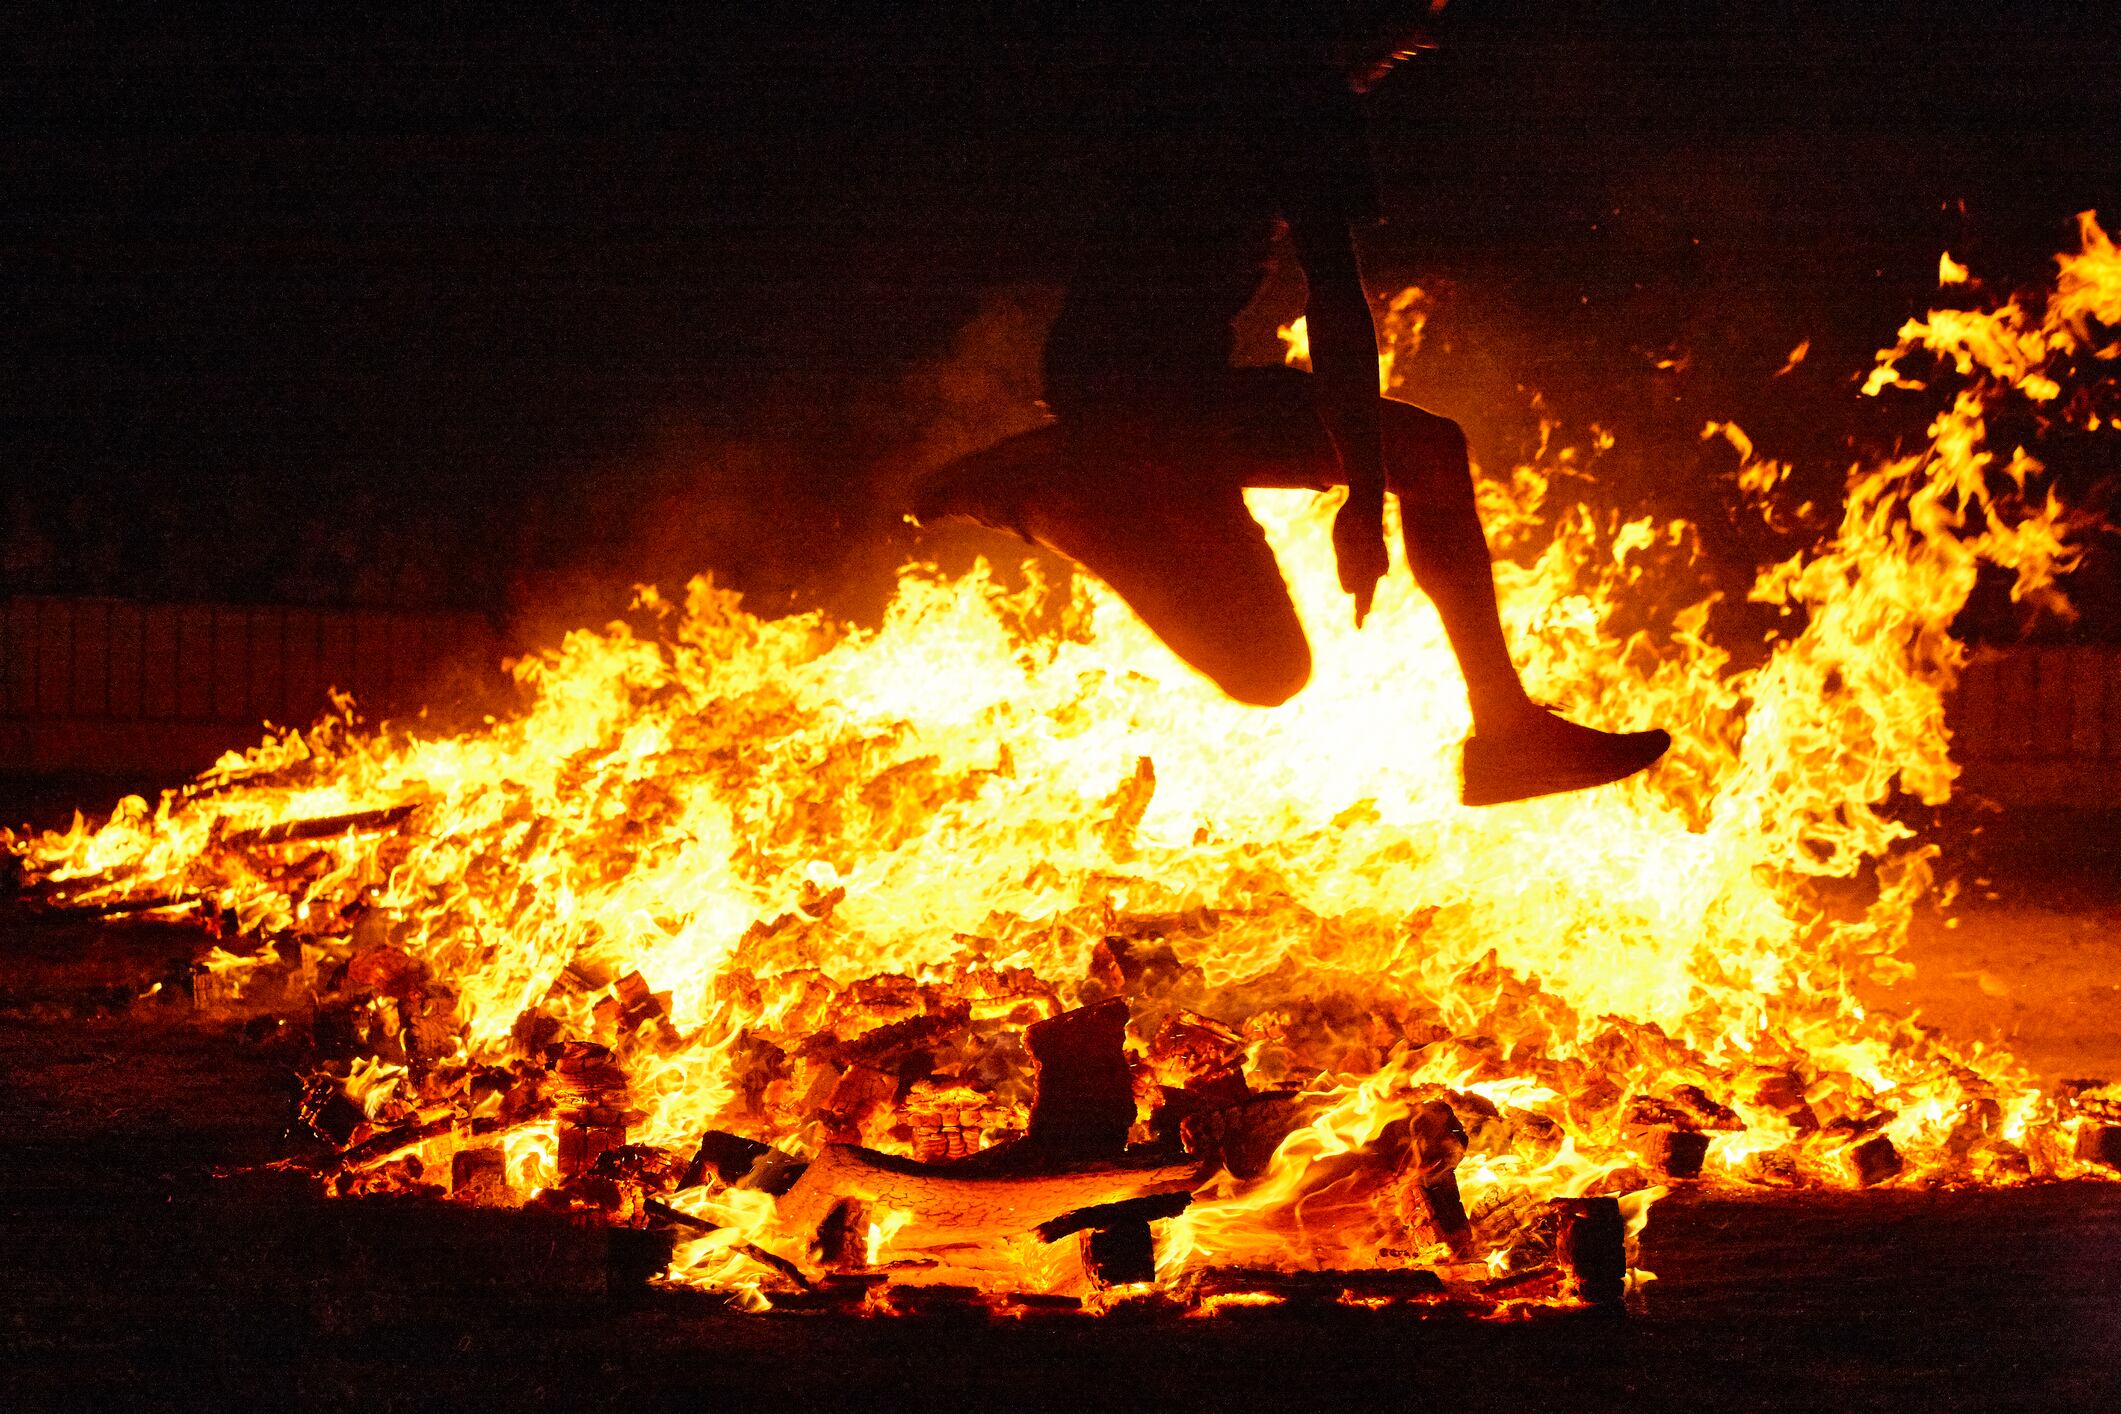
794,829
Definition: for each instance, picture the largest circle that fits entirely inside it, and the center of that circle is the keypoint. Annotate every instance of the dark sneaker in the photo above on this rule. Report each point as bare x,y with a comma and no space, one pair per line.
1551,756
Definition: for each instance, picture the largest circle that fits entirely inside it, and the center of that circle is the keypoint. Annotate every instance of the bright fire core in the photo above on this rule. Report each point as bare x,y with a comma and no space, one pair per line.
809,883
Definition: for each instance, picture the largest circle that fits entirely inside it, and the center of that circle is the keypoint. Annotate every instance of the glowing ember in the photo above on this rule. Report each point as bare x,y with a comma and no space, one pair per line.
808,889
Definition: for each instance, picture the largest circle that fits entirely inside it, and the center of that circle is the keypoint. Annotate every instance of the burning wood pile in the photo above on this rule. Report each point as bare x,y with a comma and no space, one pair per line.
987,956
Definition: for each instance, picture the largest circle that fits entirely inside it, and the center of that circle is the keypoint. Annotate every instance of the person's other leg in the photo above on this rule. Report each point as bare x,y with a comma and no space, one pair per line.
1427,467
1276,440
1518,749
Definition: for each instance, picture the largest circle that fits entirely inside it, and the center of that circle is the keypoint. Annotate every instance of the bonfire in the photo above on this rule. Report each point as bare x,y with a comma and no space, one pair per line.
988,951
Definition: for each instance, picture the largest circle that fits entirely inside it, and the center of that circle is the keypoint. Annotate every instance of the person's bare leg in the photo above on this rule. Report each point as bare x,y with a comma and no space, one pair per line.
1518,749
1428,469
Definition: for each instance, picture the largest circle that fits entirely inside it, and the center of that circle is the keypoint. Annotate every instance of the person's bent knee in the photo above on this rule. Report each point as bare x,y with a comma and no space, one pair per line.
1266,679
1424,431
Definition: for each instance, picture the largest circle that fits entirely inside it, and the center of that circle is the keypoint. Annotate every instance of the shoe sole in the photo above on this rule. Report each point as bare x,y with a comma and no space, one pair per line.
1531,786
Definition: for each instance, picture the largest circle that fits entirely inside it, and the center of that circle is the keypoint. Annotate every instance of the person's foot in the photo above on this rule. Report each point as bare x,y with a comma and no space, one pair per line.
1544,755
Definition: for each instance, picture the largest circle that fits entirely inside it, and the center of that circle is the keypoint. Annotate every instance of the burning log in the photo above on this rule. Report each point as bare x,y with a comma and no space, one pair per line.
360,822
726,1158
1308,1288
589,1099
631,1007
1243,1137
2099,1144
1119,1247
672,1220
118,908
1199,1055
1167,1205
1015,1191
480,1175
1873,1160
395,1142
950,1121
1121,1254
1668,1132
1591,1241
1677,1153
328,1113
1084,1104
1438,1144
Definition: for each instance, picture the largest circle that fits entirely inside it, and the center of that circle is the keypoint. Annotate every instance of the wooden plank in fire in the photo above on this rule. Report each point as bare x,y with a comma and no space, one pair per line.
359,822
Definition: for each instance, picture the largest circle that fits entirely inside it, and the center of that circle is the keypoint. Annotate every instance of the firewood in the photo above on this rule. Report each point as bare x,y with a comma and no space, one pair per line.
951,1120
394,1142
861,1091
1139,964
631,1007
723,1158
1199,1055
1591,1241
328,1113
1008,1190
1872,1161
589,1095
1438,1144
360,822
1703,1110
842,1240
118,908
2099,1144
1319,1287
583,1141
1123,1254
64,893
1084,1104
1150,1209
480,1175
1243,1137
1675,1153
662,1215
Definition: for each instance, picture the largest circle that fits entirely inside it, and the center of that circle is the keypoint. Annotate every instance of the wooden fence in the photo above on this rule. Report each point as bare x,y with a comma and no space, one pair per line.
2041,726
122,688
115,687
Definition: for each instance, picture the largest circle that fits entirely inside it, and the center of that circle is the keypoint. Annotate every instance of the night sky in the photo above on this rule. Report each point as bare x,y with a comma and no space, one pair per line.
505,311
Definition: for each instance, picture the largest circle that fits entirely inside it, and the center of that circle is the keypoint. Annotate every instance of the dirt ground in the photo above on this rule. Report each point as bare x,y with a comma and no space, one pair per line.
2029,955
135,1277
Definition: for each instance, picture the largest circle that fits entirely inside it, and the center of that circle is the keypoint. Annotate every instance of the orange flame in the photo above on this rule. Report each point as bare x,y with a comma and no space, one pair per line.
712,843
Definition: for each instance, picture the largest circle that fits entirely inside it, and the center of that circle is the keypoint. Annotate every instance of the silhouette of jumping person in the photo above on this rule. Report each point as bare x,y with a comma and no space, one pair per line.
1220,134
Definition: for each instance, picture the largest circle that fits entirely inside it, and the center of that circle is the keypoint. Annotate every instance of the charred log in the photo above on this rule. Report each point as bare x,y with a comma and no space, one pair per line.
1084,1104
1438,1144
360,822
479,1175
1243,1137
1150,1209
722,1157
2100,1144
1004,1192
1676,1153
1873,1161
1320,1288
1591,1242
1123,1254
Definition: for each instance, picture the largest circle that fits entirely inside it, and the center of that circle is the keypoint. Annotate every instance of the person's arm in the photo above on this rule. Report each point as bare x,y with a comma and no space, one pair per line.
1343,352
1344,363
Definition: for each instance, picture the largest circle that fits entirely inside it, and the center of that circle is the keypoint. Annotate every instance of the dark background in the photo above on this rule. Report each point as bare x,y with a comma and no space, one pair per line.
508,310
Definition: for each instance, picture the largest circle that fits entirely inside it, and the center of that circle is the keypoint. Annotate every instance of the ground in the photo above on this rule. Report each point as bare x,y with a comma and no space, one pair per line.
137,1278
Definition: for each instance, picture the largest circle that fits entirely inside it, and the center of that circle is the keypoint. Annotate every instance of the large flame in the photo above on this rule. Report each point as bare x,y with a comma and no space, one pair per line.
712,840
